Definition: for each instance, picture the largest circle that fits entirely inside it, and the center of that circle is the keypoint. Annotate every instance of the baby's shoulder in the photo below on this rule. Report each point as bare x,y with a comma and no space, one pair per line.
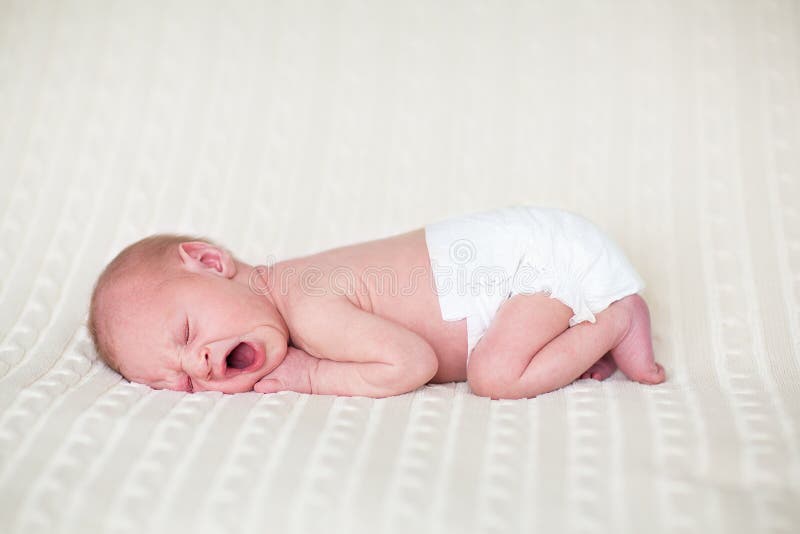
308,285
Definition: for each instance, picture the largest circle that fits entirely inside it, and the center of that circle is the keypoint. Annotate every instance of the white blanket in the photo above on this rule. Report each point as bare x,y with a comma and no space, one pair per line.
282,129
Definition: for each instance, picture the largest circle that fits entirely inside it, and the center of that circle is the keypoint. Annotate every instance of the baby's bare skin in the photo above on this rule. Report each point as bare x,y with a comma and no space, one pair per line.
390,278
362,320
413,304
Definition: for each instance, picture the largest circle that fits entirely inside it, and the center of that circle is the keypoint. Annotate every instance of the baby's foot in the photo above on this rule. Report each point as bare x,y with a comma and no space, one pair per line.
634,353
602,369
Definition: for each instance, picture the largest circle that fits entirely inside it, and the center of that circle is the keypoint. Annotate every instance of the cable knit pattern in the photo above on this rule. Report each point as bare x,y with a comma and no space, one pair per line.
283,128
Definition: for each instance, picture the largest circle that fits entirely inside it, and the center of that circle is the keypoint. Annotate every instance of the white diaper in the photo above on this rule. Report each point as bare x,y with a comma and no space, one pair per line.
481,260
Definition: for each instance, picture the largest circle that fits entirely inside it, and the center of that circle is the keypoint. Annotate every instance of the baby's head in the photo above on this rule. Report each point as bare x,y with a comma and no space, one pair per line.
177,312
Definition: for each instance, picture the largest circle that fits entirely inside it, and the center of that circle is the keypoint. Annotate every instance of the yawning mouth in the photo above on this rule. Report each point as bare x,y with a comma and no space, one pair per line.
244,357
241,357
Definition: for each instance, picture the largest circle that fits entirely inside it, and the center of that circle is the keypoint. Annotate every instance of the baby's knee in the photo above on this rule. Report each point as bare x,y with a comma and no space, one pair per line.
495,384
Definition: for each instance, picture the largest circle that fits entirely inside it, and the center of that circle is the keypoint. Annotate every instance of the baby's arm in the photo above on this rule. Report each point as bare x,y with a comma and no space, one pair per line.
358,353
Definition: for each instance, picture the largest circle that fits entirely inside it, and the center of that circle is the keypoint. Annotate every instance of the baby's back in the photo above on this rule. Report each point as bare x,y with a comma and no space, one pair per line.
388,277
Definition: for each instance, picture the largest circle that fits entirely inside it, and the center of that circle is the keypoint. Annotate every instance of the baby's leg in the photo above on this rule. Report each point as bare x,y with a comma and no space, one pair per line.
618,329
568,356
522,326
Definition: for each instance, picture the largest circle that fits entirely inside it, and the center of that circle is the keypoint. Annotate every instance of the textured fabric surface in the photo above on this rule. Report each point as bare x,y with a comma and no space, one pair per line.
284,128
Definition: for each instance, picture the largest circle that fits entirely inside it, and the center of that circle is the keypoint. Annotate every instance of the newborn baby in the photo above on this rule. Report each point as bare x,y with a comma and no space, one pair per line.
517,301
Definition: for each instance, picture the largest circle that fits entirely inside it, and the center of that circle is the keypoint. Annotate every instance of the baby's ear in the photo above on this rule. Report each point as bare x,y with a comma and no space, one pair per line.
200,257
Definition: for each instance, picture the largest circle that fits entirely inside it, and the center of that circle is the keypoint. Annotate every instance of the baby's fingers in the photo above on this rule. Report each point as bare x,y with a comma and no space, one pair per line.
268,385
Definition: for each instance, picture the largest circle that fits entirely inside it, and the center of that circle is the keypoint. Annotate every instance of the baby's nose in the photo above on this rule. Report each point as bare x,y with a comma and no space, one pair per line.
209,361
203,364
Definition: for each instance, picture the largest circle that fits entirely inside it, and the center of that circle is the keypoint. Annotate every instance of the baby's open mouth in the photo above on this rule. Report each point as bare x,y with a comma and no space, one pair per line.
241,357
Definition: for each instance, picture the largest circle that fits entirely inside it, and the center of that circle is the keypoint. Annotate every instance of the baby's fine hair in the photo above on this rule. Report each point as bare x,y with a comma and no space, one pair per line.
138,255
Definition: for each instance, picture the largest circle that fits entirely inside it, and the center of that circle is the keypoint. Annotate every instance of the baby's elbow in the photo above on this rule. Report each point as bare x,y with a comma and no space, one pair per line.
412,371
429,366
422,367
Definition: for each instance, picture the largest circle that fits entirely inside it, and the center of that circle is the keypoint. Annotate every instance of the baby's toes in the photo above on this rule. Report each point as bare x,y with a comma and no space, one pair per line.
601,370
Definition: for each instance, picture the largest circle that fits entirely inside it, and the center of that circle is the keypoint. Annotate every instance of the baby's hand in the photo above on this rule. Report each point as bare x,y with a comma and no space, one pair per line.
293,374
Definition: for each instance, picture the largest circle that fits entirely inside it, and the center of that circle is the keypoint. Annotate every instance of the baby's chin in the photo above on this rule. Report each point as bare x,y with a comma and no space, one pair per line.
275,348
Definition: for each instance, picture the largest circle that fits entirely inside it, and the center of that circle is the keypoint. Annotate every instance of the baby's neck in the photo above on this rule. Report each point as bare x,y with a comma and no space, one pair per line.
261,280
